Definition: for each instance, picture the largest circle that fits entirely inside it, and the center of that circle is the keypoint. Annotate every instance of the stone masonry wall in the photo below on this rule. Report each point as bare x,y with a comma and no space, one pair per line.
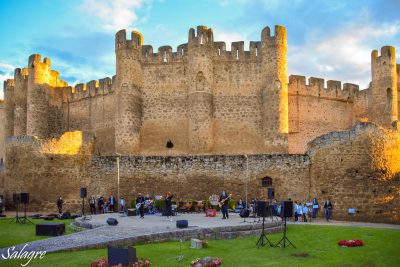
358,169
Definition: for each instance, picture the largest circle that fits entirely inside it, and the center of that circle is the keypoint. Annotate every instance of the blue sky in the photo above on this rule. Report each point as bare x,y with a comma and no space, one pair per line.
327,39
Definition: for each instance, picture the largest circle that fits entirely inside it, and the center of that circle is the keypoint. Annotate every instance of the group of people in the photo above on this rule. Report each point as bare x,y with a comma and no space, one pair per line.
141,202
310,210
104,205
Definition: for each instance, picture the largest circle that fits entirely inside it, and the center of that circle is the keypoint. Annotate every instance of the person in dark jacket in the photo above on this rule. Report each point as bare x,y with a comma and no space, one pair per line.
168,206
140,205
315,208
100,204
328,209
224,206
60,203
92,204
111,202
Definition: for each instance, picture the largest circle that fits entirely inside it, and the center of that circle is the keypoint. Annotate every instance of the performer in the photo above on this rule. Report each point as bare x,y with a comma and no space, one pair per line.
92,203
140,200
240,204
122,204
315,207
168,205
328,208
60,204
224,206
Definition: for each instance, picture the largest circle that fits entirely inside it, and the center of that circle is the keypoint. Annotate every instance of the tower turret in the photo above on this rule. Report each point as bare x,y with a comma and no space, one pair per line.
275,90
9,107
37,104
200,86
129,82
20,97
384,108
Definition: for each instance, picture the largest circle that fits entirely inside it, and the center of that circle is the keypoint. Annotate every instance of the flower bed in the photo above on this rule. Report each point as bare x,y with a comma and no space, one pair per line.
351,243
207,262
104,263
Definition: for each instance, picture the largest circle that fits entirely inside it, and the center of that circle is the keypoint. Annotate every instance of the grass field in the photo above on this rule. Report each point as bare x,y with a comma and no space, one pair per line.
316,246
12,233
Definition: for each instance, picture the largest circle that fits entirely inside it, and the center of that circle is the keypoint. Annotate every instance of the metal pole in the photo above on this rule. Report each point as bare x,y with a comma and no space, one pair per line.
118,183
247,179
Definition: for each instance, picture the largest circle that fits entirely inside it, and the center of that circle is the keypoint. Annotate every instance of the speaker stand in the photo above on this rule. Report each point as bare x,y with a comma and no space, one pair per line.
25,220
263,238
282,242
16,219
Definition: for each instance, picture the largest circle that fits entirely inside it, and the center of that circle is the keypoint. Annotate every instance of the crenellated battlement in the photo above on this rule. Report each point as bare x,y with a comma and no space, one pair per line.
91,89
8,84
121,42
279,38
316,87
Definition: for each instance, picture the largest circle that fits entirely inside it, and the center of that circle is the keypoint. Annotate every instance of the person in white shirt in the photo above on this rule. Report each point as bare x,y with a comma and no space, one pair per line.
122,204
299,210
305,213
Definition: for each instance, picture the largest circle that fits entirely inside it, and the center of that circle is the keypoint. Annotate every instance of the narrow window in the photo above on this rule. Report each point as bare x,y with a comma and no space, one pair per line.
165,56
219,51
237,53
256,51
201,38
182,51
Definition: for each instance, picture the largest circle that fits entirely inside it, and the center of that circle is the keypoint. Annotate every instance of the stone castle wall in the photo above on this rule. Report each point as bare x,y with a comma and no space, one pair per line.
356,169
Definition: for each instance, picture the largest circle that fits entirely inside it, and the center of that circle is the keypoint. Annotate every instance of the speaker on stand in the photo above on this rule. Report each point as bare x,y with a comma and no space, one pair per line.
83,193
25,201
286,212
261,207
16,201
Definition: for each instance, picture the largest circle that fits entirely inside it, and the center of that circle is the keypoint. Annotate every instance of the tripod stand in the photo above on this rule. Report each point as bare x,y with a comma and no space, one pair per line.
16,219
263,237
84,216
25,220
282,242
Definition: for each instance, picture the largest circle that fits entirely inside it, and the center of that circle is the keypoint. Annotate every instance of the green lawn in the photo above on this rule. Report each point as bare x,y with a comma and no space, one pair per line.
317,246
12,233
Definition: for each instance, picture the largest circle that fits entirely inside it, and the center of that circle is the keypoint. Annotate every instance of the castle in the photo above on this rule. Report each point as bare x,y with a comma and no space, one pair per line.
201,119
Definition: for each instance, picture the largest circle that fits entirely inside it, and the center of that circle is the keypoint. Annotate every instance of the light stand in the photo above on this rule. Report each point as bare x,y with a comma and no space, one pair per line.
263,237
16,219
282,242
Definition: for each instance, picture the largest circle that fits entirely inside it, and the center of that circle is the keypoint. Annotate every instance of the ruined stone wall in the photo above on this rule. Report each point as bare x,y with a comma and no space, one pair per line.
358,169
194,177
315,110
2,131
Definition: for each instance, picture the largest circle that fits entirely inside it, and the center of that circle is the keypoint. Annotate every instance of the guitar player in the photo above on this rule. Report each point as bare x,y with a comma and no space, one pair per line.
223,200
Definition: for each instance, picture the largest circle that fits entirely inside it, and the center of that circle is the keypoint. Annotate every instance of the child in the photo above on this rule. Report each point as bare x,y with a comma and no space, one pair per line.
299,210
305,213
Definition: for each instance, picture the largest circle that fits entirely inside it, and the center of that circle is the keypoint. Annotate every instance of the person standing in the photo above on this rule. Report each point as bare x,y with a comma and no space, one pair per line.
122,204
100,204
60,203
328,209
168,206
315,207
111,200
223,200
296,215
140,201
305,212
299,211
92,204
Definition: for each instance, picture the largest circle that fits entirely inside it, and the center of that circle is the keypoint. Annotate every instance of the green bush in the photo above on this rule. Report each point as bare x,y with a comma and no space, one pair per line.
159,204
231,204
133,203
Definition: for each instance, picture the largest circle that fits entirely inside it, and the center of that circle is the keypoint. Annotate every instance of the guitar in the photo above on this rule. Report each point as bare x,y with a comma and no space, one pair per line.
222,202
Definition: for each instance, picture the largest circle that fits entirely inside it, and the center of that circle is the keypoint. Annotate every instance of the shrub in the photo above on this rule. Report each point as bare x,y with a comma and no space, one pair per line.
133,203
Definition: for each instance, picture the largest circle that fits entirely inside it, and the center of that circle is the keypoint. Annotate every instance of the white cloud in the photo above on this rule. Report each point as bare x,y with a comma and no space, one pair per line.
229,37
113,15
343,56
6,72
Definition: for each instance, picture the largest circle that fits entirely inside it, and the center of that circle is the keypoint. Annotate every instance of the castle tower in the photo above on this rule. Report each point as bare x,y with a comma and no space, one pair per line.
129,82
200,84
384,109
9,107
37,103
20,98
275,121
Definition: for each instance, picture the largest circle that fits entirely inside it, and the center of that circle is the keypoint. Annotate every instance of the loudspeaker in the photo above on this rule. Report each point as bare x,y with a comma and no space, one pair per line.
261,206
50,229
83,192
24,198
124,256
112,221
244,213
271,193
287,209
131,212
182,224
